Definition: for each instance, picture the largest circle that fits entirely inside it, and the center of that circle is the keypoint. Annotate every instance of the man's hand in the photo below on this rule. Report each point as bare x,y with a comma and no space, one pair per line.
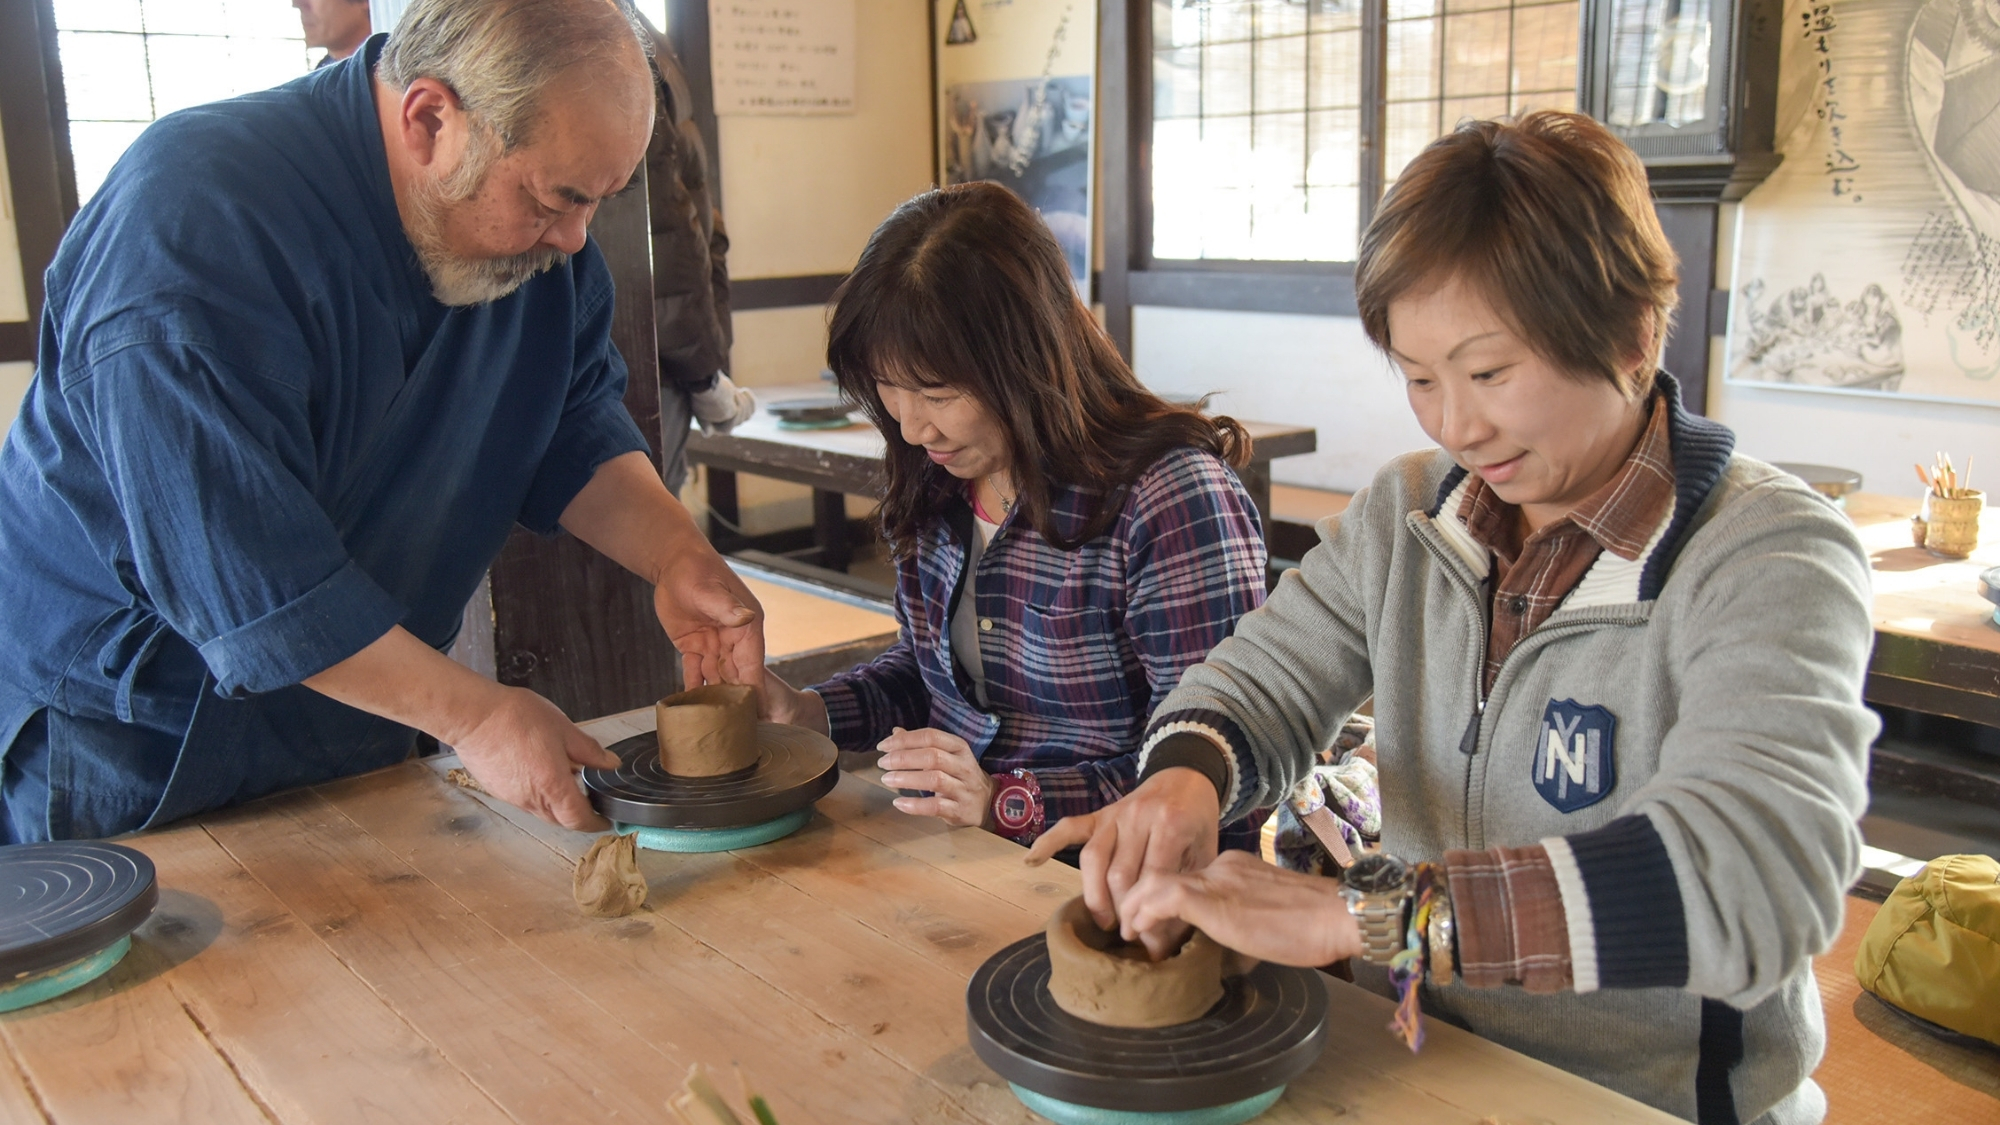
526,753
627,513
516,744
943,765
1167,824
1252,907
712,618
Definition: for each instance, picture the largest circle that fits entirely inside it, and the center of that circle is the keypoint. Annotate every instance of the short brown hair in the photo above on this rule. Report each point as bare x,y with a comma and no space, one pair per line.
964,287
1550,219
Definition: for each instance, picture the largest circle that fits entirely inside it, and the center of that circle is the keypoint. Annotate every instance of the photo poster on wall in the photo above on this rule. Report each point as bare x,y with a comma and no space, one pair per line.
1017,106
1869,261
782,58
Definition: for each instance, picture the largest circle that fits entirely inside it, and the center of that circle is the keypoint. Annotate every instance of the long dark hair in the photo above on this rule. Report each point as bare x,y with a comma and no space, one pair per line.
964,287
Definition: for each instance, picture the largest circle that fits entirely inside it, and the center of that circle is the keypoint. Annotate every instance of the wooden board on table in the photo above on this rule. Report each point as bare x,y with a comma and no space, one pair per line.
537,1047
255,978
123,1049
687,998
1918,594
1367,1074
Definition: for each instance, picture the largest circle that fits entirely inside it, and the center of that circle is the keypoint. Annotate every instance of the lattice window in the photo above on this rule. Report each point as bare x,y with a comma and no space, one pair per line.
1261,109
127,62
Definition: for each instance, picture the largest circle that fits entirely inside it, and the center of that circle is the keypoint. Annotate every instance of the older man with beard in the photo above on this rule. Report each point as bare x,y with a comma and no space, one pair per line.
307,357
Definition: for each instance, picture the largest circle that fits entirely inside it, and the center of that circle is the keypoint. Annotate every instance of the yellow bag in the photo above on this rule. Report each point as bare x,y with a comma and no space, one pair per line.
1934,948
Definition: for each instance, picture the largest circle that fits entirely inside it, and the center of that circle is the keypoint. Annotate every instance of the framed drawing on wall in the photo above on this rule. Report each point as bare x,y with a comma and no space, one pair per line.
1016,105
1869,261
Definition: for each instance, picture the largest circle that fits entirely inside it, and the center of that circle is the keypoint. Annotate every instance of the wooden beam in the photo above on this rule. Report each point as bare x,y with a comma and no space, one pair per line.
1124,90
35,117
568,622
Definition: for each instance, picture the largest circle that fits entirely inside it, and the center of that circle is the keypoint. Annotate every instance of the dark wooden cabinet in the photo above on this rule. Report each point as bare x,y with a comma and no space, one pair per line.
1691,85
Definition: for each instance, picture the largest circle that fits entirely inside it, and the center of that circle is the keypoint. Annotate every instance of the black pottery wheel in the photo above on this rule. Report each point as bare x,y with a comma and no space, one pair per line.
795,767
1269,1026
63,901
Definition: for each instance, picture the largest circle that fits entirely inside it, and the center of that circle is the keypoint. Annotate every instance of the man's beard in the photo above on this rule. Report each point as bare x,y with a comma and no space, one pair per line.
456,279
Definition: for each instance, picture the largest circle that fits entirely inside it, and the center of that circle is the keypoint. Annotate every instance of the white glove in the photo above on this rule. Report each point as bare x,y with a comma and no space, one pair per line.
724,406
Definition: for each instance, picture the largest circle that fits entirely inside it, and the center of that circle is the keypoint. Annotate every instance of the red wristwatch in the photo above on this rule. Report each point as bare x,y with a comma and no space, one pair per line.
1017,806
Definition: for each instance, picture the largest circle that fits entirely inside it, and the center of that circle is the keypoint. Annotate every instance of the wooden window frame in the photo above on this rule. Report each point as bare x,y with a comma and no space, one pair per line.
1129,274
35,117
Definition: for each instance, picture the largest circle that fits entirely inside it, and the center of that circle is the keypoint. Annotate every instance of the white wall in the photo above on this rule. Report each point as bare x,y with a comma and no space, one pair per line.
1319,371
13,384
13,299
1878,436
801,196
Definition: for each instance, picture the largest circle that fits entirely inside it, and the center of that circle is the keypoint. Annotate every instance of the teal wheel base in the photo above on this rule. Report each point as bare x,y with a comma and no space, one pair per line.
718,839
1066,1113
63,978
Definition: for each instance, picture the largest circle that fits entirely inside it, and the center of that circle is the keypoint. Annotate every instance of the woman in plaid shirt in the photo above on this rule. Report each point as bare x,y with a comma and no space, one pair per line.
1067,543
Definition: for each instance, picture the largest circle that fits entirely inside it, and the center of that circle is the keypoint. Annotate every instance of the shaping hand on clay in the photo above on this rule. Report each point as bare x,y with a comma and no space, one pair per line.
1167,825
1250,906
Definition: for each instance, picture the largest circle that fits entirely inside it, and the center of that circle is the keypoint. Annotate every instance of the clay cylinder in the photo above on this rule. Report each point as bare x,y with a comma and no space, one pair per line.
708,731
1095,975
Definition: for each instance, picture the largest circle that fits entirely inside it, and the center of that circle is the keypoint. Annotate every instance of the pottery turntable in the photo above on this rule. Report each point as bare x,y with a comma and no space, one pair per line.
67,912
1226,1064
712,777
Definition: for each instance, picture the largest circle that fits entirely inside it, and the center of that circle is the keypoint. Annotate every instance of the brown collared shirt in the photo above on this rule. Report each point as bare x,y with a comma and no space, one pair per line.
1532,576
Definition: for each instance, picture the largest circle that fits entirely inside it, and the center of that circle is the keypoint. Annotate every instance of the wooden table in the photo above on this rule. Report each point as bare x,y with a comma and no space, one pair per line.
837,463
393,948
1936,647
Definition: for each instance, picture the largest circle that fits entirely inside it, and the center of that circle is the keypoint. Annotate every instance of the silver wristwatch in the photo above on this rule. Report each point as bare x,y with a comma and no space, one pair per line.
1377,889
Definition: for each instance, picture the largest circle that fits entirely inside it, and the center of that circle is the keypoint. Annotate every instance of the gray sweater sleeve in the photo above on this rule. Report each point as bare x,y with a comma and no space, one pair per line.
1279,688
1763,775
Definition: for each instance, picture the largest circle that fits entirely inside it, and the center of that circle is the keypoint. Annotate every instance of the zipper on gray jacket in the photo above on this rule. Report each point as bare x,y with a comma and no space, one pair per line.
1468,743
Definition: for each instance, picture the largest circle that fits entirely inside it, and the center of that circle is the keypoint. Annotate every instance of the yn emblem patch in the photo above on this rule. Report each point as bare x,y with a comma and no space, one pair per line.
1575,766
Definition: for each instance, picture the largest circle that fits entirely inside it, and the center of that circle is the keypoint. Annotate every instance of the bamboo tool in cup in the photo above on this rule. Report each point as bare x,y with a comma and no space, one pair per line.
1948,524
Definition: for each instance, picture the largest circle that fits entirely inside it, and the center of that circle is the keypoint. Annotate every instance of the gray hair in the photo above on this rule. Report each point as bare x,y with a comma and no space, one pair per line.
498,56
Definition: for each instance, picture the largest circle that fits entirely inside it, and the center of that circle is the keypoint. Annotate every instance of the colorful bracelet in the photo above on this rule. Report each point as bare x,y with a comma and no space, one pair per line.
1406,968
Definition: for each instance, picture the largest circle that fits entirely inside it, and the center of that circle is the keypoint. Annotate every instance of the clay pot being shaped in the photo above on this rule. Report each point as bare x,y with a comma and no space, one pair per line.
709,731
1095,975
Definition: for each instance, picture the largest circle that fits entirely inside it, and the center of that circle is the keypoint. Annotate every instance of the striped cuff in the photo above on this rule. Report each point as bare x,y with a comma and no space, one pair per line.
1219,730
1622,904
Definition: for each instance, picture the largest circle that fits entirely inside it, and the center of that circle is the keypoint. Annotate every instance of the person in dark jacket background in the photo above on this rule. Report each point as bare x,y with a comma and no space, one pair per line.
690,271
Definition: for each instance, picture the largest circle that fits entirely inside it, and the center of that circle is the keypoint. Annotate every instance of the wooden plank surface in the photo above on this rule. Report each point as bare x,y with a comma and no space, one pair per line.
1366,1075
394,948
1918,594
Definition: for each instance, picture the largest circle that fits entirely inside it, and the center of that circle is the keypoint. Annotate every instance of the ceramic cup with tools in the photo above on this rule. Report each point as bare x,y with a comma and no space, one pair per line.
1951,524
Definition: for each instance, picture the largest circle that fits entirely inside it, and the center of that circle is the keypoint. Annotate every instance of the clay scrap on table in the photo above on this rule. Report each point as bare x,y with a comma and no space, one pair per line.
609,883
1095,975
708,731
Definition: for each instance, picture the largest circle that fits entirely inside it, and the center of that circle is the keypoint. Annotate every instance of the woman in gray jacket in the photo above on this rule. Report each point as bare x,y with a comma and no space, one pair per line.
1616,671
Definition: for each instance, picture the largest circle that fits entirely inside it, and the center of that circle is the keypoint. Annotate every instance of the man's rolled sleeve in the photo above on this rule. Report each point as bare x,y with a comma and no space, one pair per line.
313,632
212,470
590,434
595,425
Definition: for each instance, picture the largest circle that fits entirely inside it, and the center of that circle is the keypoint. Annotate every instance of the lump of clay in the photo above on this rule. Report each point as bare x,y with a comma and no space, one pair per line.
1095,975
608,881
708,731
